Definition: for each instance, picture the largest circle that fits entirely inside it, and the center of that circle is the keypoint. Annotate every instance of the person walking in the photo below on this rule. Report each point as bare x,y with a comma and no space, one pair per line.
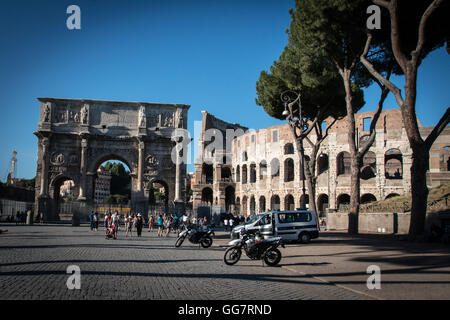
95,221
225,224
116,222
130,225
167,224
160,226
91,219
151,220
231,222
41,218
139,224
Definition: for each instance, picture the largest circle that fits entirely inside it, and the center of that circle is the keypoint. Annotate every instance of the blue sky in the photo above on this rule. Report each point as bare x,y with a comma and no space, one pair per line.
207,54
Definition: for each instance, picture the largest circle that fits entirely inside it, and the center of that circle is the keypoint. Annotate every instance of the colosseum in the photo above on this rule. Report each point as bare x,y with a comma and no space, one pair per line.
261,170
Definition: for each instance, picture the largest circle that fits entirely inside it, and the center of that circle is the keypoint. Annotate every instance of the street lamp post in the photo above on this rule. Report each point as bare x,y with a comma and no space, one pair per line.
300,123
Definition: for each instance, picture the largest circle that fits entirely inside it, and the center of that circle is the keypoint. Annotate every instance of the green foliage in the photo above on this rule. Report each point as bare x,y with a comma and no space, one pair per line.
120,180
306,66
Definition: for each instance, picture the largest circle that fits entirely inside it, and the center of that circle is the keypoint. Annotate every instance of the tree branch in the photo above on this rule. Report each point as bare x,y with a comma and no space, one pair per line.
443,122
382,3
423,21
395,35
378,76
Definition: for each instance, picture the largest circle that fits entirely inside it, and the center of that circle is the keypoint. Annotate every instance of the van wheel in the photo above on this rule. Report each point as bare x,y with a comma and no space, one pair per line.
304,237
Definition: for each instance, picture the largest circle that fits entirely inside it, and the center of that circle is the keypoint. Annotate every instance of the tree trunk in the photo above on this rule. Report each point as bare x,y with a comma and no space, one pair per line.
353,215
419,191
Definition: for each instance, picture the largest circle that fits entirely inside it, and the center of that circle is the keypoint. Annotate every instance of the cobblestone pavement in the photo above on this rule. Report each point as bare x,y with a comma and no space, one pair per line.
34,260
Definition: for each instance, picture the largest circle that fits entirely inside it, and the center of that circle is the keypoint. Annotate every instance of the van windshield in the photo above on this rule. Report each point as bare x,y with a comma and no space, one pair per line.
255,218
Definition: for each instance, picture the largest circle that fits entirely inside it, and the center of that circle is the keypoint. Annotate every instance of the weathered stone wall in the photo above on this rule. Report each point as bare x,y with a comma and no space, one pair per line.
76,136
267,146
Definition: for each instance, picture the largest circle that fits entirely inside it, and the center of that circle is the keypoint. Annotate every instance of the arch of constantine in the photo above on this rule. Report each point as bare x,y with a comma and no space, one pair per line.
76,136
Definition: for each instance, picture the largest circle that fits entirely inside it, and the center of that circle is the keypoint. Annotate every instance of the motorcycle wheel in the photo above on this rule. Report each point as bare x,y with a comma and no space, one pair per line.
272,257
232,256
179,242
206,242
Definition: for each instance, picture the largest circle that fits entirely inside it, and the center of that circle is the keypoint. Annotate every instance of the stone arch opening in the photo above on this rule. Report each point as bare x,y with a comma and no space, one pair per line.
244,209
112,181
63,191
229,198
262,204
343,200
208,173
393,164
225,173
289,170
244,174
322,204
343,162
252,173
288,148
238,174
252,205
367,198
274,168
369,167
305,199
289,203
275,202
262,170
207,196
238,205
322,163
392,195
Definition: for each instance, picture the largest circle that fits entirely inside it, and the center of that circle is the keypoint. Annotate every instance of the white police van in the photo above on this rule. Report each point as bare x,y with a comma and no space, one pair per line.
291,225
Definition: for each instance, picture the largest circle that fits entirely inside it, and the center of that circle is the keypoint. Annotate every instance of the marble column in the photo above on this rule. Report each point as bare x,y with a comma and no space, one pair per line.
44,171
140,168
84,145
178,174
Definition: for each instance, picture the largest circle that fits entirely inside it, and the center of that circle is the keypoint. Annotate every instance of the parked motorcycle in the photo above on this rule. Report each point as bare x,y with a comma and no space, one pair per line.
254,248
204,237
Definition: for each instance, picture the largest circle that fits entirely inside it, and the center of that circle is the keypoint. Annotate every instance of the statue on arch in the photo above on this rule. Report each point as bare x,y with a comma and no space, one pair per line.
47,111
142,117
85,114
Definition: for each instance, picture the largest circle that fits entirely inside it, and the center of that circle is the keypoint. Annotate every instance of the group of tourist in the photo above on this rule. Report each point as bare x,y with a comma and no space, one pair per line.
164,223
112,224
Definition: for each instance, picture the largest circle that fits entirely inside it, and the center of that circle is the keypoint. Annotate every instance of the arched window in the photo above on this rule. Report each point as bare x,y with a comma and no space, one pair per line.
393,164
229,198
289,202
369,167
262,170
368,197
238,174
275,168
288,148
343,199
244,174
262,204
252,205
275,202
207,196
252,173
343,162
208,173
288,170
225,173
322,204
322,163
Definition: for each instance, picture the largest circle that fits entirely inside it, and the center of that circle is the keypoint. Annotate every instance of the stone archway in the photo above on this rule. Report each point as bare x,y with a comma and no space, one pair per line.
76,136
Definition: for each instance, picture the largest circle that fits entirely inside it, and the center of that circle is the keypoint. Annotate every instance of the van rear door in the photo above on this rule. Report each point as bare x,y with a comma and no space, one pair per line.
267,225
